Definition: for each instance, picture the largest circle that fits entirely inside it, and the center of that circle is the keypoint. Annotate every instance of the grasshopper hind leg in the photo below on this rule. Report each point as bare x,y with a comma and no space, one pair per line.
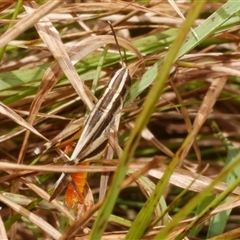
76,192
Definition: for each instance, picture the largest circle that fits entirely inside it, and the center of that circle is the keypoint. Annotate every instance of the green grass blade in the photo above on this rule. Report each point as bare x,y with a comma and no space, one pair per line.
18,78
202,205
151,100
98,70
198,198
219,221
142,220
16,12
210,25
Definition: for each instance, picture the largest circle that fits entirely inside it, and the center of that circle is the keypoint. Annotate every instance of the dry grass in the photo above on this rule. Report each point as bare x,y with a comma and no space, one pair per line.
50,54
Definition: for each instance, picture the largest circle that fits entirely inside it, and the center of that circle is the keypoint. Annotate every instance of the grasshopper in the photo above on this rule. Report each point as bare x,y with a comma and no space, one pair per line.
94,136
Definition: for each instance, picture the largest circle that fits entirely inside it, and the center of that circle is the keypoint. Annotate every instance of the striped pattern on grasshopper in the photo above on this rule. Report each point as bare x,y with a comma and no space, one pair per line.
94,140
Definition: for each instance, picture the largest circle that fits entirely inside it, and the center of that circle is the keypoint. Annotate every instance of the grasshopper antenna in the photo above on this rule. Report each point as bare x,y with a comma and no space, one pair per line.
115,37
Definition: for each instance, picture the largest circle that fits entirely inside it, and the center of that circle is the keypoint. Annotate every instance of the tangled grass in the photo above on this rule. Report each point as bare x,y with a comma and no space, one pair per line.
178,175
